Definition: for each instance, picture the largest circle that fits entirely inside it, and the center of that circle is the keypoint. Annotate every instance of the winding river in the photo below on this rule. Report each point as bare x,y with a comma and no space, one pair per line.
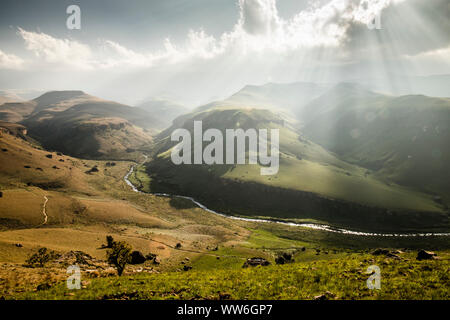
313,226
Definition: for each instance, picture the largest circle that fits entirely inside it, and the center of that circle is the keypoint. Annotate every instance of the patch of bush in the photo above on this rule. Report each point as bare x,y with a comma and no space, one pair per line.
109,241
119,256
40,258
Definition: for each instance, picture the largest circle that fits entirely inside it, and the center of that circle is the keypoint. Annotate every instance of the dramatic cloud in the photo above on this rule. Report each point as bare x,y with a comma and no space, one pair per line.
327,41
10,61
57,51
259,29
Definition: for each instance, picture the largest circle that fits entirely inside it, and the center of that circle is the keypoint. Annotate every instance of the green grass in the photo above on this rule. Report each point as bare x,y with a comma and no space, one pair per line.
263,239
140,179
345,278
312,183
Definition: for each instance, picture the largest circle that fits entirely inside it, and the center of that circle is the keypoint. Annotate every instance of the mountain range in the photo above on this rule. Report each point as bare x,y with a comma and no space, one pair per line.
348,155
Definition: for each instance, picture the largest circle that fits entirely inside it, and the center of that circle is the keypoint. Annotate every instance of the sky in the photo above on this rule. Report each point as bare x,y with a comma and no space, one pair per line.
196,51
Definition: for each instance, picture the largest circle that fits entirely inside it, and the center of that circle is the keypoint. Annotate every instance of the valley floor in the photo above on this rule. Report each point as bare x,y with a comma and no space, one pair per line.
83,206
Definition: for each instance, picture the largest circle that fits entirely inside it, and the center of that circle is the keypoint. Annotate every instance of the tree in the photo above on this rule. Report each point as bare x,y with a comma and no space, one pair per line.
109,241
40,258
119,255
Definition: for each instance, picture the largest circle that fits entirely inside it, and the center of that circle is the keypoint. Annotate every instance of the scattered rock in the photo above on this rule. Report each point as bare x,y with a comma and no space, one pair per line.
326,296
426,255
137,257
284,258
92,170
393,255
150,256
39,169
59,154
427,268
157,260
50,156
43,286
93,273
379,252
1,194
253,262
77,257
187,268
61,160
19,245
55,167
224,296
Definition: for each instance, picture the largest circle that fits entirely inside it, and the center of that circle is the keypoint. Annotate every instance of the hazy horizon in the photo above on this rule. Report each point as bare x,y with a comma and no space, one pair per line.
200,51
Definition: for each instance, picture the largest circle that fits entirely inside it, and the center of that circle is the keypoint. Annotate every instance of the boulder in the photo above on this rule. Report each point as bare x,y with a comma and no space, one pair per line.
425,255
279,260
1,194
49,156
253,262
157,260
326,296
150,256
137,257
379,252
19,245
43,286
187,268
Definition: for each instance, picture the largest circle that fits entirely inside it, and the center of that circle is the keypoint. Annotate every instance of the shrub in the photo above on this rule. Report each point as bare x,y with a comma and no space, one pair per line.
119,256
109,241
40,258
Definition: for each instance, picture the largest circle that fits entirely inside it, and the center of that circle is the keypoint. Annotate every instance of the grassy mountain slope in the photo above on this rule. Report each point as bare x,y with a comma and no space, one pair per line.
4,98
289,96
344,278
163,111
311,183
82,125
83,207
403,139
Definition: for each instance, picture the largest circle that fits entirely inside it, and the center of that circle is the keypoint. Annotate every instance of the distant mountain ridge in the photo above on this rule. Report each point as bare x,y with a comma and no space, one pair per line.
83,125
403,138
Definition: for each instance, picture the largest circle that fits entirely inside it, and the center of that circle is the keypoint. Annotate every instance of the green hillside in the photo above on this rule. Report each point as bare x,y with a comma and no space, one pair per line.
312,183
335,278
81,125
402,139
163,111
